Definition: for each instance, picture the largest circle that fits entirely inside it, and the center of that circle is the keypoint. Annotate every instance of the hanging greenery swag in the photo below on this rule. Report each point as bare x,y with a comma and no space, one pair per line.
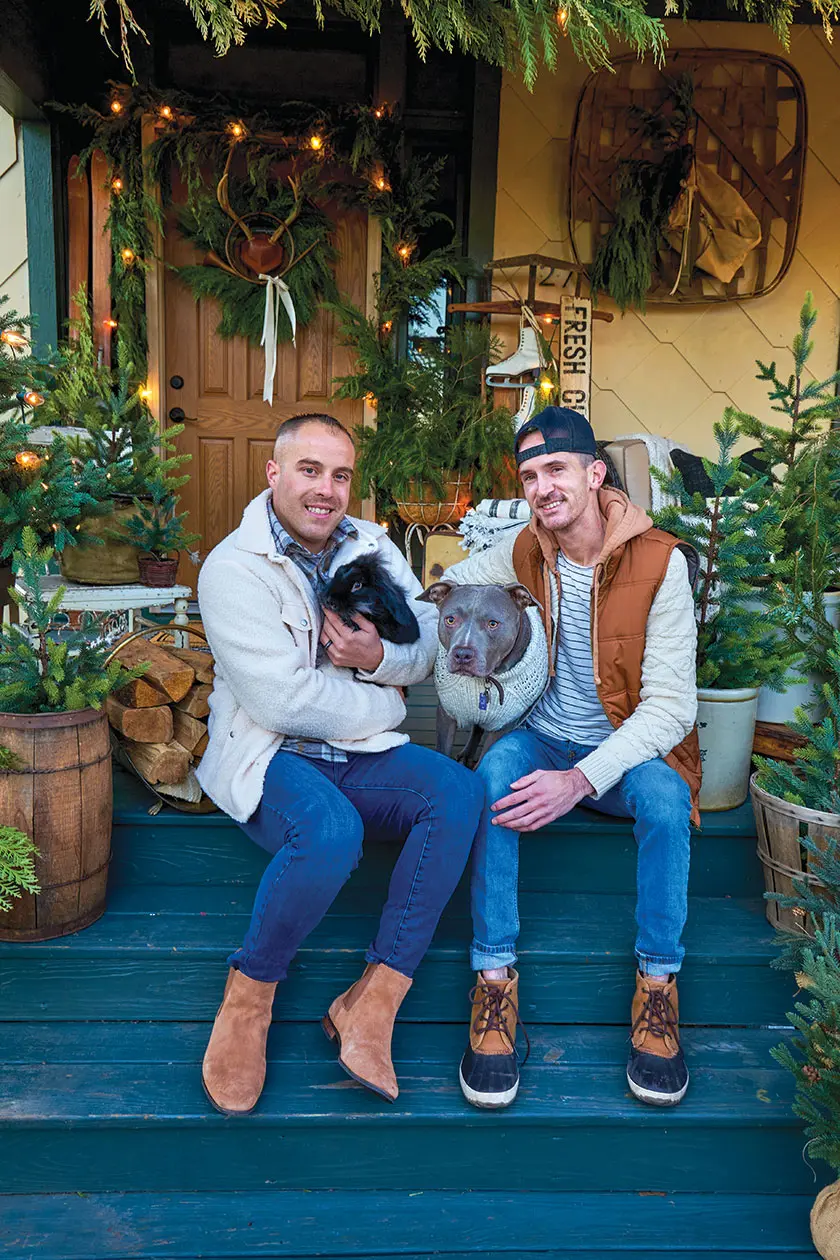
259,171
648,189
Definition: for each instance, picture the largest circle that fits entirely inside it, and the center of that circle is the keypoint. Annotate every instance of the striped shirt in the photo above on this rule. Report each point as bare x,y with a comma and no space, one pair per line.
570,708
315,568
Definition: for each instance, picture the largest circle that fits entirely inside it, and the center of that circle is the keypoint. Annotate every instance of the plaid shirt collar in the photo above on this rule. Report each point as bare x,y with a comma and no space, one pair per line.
314,566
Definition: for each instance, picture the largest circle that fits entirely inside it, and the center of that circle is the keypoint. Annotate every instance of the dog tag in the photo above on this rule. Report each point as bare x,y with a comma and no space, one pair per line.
483,701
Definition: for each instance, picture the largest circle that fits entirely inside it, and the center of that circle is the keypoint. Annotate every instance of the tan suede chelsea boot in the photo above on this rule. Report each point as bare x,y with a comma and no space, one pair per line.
362,1021
233,1072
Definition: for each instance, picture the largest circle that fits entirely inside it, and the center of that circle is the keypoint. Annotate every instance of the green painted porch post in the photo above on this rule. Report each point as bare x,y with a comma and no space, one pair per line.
40,232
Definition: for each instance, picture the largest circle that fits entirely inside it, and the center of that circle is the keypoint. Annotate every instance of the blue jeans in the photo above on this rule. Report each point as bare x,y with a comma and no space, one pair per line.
653,794
313,817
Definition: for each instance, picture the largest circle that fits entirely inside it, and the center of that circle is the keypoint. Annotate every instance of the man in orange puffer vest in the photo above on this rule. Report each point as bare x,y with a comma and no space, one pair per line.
613,730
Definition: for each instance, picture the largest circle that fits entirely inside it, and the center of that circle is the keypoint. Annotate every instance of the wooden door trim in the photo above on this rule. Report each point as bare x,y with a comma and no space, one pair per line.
155,308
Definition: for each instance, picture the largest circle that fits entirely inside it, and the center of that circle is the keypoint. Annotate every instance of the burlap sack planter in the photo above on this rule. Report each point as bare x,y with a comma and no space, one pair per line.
825,1222
109,563
780,827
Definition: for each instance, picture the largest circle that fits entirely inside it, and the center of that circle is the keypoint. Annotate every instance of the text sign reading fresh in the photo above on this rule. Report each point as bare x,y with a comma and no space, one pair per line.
575,353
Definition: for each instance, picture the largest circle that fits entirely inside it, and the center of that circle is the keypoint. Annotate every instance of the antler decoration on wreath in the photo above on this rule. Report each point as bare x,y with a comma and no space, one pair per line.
254,254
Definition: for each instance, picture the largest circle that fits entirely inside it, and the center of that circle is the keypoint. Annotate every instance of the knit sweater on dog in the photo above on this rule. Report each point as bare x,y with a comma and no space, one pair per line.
476,702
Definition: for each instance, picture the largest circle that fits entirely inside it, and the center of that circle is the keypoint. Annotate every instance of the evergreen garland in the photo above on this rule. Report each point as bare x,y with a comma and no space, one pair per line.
519,35
647,190
194,136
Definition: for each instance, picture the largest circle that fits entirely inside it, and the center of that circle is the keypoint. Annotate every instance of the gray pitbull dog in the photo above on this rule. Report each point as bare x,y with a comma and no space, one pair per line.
485,632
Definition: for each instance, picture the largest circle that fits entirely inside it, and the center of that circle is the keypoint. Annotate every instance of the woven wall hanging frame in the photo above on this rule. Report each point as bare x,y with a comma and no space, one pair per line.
749,130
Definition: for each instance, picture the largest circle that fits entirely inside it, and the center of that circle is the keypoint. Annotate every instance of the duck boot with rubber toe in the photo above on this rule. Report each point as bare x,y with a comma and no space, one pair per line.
489,1071
362,1022
656,1070
233,1071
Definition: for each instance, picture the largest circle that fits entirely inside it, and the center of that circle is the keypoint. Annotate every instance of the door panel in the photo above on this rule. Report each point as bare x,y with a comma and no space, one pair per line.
230,431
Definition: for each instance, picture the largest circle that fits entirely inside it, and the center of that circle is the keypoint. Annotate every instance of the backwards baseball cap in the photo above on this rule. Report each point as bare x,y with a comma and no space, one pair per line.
561,429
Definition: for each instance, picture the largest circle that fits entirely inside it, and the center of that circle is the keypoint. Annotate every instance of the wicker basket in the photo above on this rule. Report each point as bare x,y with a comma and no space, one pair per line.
154,572
780,826
425,508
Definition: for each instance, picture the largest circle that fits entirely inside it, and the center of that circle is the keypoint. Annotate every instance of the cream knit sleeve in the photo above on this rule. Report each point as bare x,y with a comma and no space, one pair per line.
667,708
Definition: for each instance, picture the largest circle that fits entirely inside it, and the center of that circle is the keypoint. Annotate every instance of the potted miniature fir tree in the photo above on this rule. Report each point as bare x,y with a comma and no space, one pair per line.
802,461
798,817
55,777
115,452
156,530
734,531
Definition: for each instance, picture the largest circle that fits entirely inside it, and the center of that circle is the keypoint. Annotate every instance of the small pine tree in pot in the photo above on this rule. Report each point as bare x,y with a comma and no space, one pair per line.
801,455
55,772
798,810
734,531
156,530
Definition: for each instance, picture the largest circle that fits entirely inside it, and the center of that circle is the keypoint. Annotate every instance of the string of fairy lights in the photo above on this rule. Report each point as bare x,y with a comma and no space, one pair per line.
366,138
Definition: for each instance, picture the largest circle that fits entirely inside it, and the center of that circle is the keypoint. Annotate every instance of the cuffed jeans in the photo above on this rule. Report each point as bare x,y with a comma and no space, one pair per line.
313,817
652,794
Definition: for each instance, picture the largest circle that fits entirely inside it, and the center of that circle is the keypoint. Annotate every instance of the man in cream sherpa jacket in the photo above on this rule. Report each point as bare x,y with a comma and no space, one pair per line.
613,730
307,759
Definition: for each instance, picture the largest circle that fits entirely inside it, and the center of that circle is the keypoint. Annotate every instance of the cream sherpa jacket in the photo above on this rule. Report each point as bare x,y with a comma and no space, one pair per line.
667,708
262,624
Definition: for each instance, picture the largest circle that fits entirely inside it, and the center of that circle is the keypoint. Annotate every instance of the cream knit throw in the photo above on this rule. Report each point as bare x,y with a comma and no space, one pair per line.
475,701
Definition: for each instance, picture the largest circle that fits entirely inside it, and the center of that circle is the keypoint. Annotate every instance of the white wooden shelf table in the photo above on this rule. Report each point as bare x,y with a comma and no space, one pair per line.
117,604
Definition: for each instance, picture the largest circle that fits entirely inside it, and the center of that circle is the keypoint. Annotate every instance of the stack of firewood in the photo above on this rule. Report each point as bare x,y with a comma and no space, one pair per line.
161,718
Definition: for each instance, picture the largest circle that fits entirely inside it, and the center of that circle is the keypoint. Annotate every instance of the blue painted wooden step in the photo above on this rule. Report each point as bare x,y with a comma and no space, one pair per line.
159,953
135,1117
344,1224
586,852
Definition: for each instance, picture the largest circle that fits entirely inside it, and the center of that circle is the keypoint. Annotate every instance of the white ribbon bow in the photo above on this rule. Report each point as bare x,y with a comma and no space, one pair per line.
276,291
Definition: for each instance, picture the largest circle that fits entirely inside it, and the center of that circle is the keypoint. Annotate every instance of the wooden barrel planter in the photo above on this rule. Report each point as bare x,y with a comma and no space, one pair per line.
425,507
62,796
780,826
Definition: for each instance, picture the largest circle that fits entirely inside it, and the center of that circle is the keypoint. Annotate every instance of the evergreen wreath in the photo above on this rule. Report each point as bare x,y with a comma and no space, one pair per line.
310,278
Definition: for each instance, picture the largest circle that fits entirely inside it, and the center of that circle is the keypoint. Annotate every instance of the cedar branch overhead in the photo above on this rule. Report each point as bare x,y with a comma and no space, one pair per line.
519,35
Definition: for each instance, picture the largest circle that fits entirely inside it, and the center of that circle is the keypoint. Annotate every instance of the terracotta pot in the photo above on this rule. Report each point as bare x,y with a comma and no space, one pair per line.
424,507
154,572
110,564
62,797
825,1222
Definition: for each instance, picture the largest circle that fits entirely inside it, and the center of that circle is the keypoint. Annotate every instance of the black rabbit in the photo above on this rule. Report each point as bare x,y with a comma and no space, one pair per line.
365,586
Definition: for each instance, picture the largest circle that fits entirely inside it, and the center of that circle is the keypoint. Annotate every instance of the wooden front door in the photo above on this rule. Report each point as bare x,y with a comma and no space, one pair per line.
229,430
